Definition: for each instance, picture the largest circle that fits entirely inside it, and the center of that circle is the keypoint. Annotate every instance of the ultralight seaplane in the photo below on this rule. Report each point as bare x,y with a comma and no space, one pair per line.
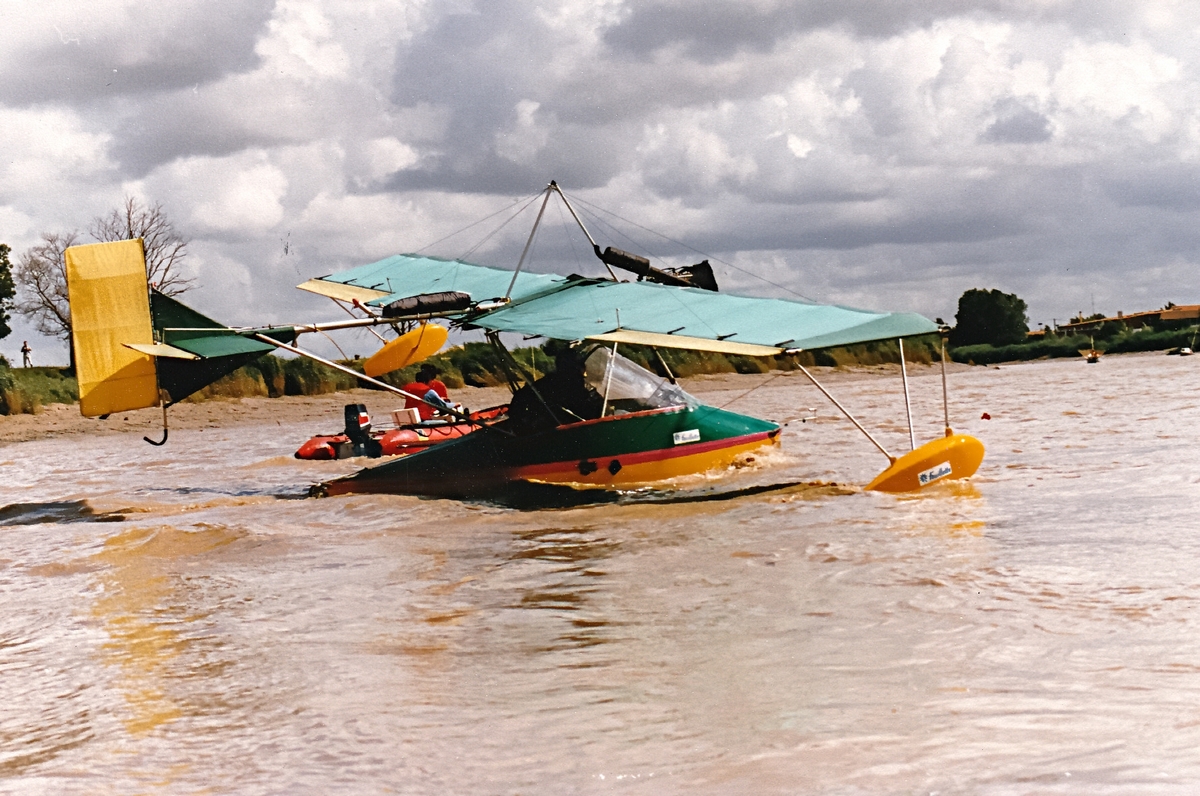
599,421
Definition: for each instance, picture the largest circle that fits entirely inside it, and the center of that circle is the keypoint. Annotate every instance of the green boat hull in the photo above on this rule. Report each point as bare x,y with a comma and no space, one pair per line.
612,452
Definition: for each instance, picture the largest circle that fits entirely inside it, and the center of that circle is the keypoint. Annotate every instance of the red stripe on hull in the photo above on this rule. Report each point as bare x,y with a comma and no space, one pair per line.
536,471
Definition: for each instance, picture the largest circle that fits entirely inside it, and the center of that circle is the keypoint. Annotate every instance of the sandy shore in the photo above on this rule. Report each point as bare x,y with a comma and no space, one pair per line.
308,415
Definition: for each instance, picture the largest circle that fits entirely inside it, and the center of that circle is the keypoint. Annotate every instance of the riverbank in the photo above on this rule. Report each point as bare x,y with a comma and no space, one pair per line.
304,415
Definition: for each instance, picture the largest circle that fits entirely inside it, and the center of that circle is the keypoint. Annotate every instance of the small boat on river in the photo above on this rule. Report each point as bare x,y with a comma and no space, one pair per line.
400,438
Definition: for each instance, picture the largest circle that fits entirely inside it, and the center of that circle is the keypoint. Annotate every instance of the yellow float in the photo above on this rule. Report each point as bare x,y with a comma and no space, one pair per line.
407,349
947,459
950,458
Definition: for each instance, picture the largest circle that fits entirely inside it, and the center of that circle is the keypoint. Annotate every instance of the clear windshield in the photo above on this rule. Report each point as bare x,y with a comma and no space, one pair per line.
629,386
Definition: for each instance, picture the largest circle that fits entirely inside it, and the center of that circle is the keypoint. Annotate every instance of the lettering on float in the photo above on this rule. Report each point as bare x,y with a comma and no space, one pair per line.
934,473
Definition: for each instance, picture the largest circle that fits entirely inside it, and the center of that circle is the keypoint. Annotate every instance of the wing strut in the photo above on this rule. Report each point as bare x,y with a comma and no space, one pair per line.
528,242
845,411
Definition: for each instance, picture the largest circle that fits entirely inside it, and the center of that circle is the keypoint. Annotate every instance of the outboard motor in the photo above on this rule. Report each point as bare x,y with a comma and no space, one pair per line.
358,429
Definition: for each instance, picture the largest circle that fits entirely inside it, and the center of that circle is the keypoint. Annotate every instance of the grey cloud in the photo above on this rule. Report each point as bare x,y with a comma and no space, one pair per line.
1171,186
245,111
479,66
169,127
165,47
883,101
576,156
717,30
1017,124
720,28
788,228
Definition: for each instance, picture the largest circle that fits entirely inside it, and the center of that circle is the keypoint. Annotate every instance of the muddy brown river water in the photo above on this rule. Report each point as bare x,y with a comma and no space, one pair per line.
182,620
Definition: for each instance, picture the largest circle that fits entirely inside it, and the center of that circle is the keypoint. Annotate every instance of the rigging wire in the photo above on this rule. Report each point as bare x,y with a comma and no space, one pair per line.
350,312
764,383
526,199
493,233
335,344
695,250
683,305
562,219
617,232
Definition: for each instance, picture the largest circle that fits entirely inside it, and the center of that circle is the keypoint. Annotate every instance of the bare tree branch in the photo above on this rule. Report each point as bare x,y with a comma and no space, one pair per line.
41,273
165,247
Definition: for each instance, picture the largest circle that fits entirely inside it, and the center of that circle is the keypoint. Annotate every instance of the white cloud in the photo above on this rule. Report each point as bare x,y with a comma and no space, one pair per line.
388,155
800,147
240,194
18,227
300,43
1119,83
49,148
525,137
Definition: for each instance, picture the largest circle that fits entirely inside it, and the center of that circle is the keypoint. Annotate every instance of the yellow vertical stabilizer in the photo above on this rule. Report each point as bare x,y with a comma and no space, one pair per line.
110,306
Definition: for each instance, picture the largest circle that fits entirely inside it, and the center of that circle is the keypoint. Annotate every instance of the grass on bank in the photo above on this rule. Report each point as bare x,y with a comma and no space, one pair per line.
1069,346
27,390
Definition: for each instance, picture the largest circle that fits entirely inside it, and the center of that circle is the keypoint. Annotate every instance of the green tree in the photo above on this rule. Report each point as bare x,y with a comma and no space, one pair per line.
7,291
989,316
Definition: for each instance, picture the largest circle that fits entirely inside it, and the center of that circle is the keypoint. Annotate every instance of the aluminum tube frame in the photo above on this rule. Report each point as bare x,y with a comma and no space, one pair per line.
363,377
846,412
912,437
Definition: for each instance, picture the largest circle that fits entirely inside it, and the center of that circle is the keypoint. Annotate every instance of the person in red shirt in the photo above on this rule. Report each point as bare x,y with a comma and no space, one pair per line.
427,380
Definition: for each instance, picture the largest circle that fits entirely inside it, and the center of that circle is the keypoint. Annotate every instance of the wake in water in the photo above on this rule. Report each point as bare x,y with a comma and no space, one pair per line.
527,496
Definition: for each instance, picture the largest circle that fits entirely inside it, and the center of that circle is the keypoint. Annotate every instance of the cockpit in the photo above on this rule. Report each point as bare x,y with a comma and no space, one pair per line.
625,386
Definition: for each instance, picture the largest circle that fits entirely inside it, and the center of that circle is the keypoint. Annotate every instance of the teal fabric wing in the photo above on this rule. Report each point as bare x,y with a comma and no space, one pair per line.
574,308
404,275
643,312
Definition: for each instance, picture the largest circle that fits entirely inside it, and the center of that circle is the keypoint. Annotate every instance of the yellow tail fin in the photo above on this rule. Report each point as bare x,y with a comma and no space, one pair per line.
110,306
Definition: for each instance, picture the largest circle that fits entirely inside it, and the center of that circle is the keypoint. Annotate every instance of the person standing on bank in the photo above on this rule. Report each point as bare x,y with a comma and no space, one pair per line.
427,381
25,352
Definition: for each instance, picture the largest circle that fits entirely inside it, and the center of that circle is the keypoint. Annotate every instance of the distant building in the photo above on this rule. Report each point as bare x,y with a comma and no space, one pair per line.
1185,313
1136,320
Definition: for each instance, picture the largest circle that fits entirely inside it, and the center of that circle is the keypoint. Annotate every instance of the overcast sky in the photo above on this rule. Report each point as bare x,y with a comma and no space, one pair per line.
887,155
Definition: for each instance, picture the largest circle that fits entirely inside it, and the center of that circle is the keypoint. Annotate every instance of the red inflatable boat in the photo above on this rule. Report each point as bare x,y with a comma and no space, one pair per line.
359,439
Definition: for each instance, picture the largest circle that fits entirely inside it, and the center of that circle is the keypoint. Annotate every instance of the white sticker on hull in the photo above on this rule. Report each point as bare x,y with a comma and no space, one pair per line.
691,435
934,473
